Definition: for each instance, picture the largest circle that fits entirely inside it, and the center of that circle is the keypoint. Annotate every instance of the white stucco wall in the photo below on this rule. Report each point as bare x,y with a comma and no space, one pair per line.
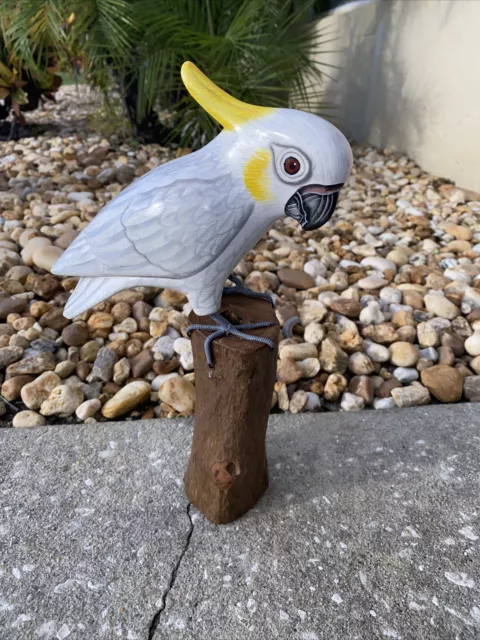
409,77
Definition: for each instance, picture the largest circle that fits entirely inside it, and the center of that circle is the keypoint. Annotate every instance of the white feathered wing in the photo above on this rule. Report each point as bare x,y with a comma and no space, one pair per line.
159,231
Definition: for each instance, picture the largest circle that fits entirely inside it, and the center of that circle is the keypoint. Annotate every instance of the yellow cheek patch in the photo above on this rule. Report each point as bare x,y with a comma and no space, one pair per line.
255,175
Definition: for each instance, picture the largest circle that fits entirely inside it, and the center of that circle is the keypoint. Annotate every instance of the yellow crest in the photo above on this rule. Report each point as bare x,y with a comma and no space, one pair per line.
227,110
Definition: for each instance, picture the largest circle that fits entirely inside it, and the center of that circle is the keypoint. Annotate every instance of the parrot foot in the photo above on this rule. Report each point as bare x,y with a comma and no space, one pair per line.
225,328
241,289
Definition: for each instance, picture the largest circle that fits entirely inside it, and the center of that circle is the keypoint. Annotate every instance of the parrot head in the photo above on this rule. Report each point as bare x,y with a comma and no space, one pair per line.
288,159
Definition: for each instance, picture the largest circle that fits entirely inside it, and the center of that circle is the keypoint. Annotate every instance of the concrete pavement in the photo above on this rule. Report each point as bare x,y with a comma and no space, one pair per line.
370,529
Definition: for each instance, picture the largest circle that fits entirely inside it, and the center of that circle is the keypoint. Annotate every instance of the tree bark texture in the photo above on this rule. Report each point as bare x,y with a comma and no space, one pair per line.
227,471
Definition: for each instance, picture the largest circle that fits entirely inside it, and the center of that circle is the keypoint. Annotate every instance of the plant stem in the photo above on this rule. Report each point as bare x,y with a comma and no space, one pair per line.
209,18
13,126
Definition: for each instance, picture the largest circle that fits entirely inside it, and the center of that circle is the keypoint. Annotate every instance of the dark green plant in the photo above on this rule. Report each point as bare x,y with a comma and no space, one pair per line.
38,36
261,51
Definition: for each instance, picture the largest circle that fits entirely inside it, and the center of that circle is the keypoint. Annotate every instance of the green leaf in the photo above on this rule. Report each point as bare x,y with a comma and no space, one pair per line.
261,51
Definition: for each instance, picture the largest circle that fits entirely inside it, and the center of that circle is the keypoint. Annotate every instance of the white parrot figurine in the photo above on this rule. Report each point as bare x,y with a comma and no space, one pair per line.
187,223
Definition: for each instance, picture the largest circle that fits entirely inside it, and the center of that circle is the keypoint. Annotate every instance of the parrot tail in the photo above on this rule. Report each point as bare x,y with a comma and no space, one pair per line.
91,291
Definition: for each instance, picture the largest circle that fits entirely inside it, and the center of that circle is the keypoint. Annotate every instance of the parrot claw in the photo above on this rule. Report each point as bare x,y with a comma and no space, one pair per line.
287,328
226,328
242,290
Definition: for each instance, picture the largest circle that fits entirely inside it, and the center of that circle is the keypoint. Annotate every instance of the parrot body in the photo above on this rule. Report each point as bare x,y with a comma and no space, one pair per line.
206,229
187,223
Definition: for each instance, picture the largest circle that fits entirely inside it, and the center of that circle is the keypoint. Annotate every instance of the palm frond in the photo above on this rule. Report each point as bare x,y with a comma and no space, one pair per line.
264,52
261,52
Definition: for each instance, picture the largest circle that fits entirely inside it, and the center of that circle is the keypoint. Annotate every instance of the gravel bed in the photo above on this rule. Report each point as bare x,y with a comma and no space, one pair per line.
380,308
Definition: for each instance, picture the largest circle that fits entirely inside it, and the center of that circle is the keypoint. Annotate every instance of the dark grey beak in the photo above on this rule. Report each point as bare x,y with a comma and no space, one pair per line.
313,205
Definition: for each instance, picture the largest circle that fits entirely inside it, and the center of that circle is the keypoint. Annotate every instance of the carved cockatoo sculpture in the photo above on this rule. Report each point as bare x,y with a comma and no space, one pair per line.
187,223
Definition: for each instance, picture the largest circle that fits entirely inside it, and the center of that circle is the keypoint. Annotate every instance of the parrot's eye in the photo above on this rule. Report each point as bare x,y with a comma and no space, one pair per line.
291,165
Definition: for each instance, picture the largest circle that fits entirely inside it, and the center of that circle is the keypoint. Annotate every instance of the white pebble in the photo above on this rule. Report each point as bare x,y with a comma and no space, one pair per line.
346,324
377,352
182,345
315,268
187,309
390,295
379,264
472,296
389,239
344,264
446,263
325,296
429,246
372,314
384,403
429,353
405,375
372,282
411,396
472,344
360,364
314,333
161,378
28,419
186,360
417,259
351,402
439,324
440,306
88,409
308,367
453,274
413,211
400,307
164,345
314,402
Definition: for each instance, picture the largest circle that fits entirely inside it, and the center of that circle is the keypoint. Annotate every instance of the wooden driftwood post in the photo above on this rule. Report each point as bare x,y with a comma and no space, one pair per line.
227,471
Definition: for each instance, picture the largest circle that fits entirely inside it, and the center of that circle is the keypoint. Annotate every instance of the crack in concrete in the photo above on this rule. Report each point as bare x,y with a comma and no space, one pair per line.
156,618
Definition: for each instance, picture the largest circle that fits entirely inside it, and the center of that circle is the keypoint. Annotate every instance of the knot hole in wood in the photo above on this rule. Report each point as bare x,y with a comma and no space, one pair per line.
224,473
